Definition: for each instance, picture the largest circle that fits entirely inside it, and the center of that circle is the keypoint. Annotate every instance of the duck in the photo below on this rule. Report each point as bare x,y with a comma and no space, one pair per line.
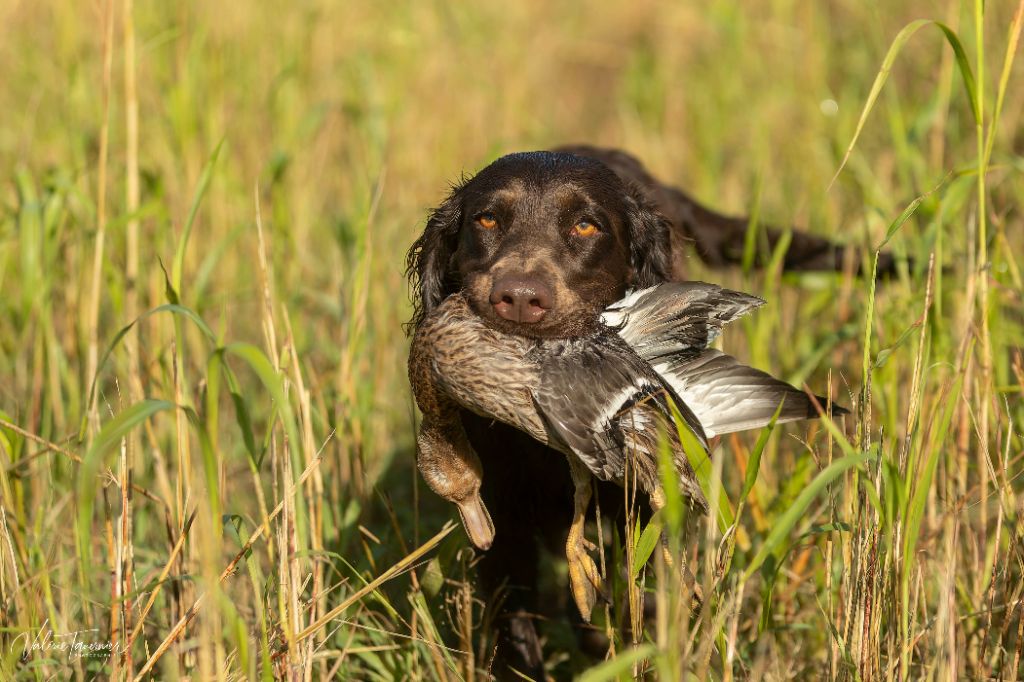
604,399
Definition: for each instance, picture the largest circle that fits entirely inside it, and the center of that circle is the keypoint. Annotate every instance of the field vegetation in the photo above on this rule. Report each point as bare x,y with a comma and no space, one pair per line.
206,433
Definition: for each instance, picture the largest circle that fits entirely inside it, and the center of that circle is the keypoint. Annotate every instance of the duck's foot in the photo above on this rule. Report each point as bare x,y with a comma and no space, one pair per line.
584,578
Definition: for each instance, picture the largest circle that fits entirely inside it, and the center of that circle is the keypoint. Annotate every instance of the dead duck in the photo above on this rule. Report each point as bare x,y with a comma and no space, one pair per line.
602,398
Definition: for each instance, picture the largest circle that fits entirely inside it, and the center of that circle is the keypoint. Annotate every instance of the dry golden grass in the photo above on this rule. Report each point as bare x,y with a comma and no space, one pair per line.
226,489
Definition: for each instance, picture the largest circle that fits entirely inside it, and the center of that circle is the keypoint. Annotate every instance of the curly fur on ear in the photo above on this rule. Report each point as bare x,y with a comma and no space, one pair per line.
648,241
428,263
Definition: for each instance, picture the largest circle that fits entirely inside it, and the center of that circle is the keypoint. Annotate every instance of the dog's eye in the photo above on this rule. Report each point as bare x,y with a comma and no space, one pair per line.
487,221
584,228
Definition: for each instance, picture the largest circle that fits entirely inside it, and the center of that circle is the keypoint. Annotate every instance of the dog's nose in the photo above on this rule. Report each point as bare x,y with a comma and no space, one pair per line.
521,299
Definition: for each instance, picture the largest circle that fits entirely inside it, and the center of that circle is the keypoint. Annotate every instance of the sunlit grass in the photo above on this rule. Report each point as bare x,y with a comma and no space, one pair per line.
206,436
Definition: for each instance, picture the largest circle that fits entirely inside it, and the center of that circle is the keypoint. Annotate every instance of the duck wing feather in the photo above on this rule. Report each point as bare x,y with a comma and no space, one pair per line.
671,325
729,396
601,402
676,318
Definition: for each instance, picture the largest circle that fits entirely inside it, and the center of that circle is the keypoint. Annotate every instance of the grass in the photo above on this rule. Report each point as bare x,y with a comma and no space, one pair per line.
225,489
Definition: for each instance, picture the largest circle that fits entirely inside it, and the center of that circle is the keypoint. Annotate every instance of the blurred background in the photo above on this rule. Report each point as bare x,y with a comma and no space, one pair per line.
259,171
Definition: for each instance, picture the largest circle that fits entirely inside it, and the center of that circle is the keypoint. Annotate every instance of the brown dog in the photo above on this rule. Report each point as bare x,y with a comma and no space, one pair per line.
540,242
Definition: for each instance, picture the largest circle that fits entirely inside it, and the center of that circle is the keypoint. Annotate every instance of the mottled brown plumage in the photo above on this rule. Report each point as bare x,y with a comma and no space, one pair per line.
443,454
591,398
604,398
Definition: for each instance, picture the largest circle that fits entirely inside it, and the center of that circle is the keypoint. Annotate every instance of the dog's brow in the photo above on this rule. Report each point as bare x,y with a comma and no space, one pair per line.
573,198
567,188
511,189
568,192
506,195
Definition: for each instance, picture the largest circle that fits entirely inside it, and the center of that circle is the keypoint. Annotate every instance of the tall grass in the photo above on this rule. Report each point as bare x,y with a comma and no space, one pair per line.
206,437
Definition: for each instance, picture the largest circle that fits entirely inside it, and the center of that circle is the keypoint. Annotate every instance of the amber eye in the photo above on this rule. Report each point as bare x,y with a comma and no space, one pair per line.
584,228
487,221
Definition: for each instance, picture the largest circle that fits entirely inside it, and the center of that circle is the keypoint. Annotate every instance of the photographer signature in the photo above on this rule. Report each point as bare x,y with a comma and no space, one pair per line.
74,644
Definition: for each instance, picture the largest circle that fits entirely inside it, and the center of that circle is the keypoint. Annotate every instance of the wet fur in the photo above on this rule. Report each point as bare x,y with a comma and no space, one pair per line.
651,227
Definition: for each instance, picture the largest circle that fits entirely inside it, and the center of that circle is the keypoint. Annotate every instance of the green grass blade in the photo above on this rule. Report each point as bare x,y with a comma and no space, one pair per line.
754,464
208,440
260,364
673,510
167,307
1004,78
701,463
785,523
923,478
646,543
197,200
883,75
107,438
622,664
754,229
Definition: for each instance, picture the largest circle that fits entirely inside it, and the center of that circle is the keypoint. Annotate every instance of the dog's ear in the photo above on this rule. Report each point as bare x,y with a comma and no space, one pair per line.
649,246
429,261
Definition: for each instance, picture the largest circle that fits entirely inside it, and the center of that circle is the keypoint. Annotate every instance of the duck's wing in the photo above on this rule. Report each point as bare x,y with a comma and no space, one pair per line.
602,403
676,318
729,396
639,425
670,326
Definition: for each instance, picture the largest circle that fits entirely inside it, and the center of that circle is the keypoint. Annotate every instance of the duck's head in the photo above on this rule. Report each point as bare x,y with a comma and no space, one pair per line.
541,242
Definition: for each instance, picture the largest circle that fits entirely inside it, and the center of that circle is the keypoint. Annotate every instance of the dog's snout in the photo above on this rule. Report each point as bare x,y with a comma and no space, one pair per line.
521,299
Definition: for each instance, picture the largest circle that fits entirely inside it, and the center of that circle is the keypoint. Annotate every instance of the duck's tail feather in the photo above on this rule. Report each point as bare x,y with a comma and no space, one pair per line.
676,318
728,396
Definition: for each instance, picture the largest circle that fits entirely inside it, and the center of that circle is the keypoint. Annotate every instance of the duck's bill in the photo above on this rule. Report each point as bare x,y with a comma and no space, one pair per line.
477,521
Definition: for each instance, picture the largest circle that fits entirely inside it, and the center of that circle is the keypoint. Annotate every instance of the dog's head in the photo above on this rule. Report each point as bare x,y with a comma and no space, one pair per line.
540,242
